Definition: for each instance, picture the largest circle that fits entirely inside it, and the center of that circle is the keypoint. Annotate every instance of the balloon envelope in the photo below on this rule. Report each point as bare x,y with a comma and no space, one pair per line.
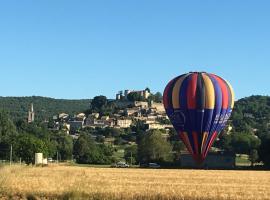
199,105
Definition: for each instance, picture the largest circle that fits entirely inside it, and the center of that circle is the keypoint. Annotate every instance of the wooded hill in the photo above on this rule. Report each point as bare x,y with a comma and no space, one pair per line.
249,113
44,107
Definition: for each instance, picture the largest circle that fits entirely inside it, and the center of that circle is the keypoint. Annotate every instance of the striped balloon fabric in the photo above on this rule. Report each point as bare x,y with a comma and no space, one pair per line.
199,105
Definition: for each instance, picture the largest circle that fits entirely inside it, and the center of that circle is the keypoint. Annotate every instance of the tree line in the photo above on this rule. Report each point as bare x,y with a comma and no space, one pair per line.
249,135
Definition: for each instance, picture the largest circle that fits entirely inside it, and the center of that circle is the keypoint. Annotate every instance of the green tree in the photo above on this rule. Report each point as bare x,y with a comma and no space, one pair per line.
224,142
134,96
27,145
7,128
178,146
253,157
154,148
264,151
100,139
158,97
64,146
99,103
139,127
243,143
118,141
131,154
4,149
87,152
8,135
52,147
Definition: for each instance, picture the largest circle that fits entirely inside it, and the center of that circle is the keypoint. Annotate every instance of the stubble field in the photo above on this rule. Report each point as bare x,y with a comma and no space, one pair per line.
66,182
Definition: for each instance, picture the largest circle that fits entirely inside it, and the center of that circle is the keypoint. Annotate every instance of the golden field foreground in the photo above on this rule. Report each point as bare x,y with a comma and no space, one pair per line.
70,182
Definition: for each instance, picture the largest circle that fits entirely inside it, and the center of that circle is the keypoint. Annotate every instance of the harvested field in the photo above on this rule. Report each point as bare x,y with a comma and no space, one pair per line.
67,182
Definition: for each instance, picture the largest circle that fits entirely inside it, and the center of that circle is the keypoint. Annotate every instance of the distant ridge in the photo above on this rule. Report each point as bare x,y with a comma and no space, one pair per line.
45,107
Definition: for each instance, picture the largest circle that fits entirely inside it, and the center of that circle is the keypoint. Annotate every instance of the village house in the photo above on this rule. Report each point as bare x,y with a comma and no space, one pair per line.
123,123
152,126
99,123
132,111
75,125
105,118
157,107
63,117
141,104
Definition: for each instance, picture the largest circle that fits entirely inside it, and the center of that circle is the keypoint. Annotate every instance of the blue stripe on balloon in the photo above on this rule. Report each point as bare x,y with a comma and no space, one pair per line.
192,115
225,119
218,105
216,111
208,114
177,118
191,140
221,118
170,91
183,93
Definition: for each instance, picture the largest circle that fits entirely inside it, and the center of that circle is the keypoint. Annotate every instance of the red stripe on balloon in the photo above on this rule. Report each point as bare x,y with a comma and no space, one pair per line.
213,138
191,91
165,94
185,139
224,90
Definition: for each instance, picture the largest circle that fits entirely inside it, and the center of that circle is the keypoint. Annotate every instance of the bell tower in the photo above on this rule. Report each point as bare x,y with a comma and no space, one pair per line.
31,114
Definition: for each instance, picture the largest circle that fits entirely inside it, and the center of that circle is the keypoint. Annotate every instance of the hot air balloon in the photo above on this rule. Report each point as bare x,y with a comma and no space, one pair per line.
198,104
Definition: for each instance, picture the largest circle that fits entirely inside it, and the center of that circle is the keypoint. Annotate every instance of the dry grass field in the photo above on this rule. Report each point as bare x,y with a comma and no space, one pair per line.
64,182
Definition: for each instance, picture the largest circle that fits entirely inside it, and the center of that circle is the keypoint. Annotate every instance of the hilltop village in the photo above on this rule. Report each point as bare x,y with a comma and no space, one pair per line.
149,112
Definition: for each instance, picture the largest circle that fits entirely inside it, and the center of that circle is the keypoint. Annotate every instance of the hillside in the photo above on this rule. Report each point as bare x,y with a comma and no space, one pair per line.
251,113
43,106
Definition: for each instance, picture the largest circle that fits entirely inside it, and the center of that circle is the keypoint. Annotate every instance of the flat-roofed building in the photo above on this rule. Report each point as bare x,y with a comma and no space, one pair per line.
123,123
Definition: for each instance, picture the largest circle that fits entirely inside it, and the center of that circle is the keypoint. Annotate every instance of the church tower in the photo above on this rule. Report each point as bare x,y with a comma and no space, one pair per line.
31,114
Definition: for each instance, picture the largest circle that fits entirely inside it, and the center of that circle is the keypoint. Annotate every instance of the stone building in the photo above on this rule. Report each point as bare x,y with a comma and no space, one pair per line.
31,114
143,93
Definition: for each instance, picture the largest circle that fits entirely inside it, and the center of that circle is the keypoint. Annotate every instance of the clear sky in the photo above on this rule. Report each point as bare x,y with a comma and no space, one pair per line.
80,49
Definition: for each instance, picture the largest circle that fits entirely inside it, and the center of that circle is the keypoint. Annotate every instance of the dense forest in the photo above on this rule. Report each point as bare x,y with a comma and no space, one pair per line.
251,114
251,129
44,107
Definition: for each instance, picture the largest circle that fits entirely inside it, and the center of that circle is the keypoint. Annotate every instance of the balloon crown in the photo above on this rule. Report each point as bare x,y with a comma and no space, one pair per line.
198,72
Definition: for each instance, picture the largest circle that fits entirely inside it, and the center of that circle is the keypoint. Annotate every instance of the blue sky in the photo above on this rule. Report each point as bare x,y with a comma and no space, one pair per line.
80,49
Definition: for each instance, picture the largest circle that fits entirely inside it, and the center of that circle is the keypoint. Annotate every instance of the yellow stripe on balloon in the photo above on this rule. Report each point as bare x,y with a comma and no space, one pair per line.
205,136
232,92
209,92
176,92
